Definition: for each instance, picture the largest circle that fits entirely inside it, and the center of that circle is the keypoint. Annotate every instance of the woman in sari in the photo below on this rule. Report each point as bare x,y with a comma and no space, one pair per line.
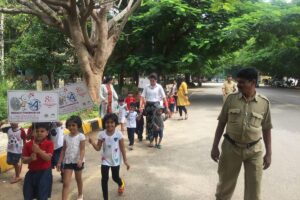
108,97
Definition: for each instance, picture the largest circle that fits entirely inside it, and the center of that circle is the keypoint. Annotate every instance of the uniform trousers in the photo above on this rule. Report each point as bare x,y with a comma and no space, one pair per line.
231,160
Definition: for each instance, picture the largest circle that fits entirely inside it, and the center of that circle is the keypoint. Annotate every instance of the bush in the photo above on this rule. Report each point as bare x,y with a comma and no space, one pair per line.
3,99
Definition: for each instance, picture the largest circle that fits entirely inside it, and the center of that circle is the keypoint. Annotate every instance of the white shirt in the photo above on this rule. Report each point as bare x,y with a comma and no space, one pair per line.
15,141
131,119
111,155
153,93
58,139
72,154
122,112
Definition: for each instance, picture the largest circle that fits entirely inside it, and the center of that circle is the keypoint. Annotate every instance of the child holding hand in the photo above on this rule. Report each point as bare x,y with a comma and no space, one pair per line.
72,156
112,142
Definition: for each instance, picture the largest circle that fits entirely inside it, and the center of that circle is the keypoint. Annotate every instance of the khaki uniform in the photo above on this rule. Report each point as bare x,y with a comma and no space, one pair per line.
245,122
229,88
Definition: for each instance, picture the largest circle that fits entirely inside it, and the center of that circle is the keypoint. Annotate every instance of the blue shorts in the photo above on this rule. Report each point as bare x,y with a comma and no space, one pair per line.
38,185
55,157
172,107
73,166
158,133
13,158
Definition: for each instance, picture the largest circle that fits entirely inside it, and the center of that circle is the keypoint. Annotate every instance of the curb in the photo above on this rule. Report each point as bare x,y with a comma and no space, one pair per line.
3,165
89,126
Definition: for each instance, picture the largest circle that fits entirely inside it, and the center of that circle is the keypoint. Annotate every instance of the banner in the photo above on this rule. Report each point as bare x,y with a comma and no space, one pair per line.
74,97
32,106
143,82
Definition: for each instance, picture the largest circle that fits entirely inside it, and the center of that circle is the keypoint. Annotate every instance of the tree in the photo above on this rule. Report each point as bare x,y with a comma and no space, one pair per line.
267,38
38,49
93,27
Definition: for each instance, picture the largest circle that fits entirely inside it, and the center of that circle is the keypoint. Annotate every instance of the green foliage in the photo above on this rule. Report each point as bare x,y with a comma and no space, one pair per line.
37,49
267,38
3,102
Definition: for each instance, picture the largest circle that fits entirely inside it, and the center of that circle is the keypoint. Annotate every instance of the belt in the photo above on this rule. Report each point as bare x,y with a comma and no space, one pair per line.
151,102
241,145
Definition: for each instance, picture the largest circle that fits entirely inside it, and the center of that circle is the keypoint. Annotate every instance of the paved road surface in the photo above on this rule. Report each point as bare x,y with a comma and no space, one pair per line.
183,169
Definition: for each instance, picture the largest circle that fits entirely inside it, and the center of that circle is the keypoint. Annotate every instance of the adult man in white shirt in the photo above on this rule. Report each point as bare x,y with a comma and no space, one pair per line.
150,101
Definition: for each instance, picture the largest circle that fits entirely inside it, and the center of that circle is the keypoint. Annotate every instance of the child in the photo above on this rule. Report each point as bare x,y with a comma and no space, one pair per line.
113,151
122,114
16,140
171,102
57,137
37,154
72,156
138,99
129,99
131,125
158,127
140,125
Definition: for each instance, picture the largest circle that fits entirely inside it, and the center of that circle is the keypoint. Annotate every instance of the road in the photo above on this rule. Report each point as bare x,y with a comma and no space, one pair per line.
182,169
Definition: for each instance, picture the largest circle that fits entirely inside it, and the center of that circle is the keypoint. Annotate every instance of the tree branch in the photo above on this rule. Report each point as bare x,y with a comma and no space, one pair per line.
17,11
114,33
62,3
121,15
44,7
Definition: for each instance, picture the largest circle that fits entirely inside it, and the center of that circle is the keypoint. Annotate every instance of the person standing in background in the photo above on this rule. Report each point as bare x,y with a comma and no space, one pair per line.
229,87
108,97
183,99
174,93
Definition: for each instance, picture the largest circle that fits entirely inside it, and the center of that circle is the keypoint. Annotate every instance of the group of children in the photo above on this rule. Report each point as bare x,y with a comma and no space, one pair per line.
45,147
130,116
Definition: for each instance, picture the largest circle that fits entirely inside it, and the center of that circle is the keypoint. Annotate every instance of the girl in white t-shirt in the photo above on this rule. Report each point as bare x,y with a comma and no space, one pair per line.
112,142
72,156
122,114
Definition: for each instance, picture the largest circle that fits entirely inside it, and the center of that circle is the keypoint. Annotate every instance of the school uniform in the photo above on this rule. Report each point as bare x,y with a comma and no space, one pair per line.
38,180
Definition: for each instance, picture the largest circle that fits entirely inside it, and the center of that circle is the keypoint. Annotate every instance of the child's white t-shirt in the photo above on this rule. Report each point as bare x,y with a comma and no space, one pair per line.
72,154
131,119
15,141
122,113
111,155
58,139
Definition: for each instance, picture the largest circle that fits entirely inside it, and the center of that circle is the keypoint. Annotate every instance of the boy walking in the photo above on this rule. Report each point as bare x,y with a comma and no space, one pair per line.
158,127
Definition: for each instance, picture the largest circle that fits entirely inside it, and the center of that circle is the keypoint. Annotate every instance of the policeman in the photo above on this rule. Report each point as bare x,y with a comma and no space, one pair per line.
248,119
228,87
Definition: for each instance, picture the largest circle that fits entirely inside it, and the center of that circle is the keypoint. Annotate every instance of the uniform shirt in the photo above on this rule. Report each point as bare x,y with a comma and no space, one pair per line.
111,155
72,154
246,120
229,87
39,164
131,119
15,140
129,100
171,100
153,93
